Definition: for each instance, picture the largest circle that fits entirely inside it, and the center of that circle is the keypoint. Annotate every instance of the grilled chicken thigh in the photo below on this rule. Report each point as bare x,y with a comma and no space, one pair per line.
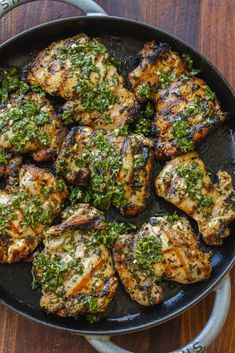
185,183
117,169
29,125
76,274
186,111
163,248
25,213
158,66
79,70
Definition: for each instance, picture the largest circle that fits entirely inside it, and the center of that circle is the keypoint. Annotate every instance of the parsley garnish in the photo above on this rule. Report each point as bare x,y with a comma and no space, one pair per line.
144,90
193,176
182,134
147,252
189,62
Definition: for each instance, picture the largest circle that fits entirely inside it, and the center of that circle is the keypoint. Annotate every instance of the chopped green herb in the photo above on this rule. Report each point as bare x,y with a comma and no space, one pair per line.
123,131
166,77
3,158
95,97
104,189
182,134
138,161
107,119
210,95
24,120
75,194
10,82
52,272
189,62
193,176
94,94
144,90
147,252
110,233
116,62
67,117
173,218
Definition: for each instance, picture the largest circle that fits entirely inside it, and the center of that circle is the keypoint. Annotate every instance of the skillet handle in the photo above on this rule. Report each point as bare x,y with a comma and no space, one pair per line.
205,337
88,6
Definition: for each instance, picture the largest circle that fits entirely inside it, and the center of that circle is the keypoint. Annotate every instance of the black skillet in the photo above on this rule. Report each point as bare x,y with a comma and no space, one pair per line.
125,38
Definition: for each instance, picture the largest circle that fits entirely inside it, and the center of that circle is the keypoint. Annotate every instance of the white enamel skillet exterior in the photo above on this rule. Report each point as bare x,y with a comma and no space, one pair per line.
223,290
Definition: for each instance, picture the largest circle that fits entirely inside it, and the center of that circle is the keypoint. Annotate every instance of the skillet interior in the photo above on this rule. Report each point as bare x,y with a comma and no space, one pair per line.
124,38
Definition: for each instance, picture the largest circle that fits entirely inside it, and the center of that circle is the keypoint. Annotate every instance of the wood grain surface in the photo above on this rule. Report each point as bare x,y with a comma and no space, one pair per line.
209,26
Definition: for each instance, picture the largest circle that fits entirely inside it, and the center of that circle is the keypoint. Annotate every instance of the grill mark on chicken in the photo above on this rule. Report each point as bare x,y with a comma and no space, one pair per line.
213,208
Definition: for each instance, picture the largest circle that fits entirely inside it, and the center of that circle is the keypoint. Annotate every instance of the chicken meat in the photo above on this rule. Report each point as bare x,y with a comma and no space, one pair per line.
79,69
26,212
115,168
186,111
76,274
164,248
185,183
29,125
158,66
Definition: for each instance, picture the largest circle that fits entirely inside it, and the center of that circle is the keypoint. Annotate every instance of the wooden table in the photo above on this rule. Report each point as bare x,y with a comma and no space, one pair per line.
209,26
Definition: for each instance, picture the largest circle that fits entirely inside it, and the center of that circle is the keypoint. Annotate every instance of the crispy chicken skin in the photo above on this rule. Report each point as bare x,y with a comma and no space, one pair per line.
87,282
157,61
26,213
29,125
111,164
179,259
79,70
185,183
186,111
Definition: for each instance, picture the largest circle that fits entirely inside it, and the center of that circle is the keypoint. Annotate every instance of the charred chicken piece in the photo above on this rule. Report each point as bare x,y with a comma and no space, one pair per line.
26,213
29,125
186,111
116,169
76,274
185,183
158,66
163,248
79,70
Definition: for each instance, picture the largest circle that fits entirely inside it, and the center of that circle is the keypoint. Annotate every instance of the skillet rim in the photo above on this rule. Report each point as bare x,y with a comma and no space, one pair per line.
205,292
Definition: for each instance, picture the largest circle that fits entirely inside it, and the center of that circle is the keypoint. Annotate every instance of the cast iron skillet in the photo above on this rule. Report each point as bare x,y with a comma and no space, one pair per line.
125,38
